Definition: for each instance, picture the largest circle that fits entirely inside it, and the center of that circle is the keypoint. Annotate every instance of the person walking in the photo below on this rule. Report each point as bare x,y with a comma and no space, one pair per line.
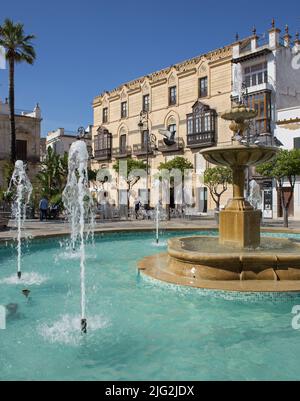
43,208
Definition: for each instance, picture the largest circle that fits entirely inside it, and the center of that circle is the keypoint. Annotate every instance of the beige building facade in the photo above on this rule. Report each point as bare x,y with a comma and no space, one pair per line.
28,132
185,99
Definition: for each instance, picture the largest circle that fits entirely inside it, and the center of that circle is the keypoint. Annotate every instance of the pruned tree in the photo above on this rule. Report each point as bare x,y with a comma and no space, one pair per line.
284,168
217,180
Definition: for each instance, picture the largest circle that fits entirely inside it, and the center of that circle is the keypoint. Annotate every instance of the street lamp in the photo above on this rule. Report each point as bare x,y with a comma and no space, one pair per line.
150,140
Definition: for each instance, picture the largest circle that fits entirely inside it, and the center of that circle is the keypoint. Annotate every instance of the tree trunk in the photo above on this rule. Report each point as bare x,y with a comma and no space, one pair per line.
13,154
285,217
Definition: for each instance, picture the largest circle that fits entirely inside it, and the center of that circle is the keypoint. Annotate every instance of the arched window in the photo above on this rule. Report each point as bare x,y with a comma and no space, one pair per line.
172,126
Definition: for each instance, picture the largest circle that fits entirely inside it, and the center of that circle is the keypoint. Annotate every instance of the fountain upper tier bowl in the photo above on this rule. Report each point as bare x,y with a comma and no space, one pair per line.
239,155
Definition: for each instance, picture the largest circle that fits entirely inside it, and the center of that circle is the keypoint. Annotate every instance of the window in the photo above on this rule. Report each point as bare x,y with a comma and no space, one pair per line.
190,128
256,74
123,142
21,150
201,126
261,103
103,140
145,139
123,109
146,103
172,128
105,115
172,95
203,87
297,143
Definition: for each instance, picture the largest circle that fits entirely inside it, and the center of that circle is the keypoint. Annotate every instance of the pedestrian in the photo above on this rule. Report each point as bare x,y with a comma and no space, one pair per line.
43,208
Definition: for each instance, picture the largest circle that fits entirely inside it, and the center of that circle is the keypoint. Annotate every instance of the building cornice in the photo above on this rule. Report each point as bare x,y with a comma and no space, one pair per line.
289,121
185,68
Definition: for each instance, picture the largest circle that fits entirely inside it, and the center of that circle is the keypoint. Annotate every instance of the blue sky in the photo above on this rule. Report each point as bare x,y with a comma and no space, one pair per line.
86,47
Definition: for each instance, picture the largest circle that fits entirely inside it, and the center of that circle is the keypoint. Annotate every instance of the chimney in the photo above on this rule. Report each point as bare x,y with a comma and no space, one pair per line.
287,37
274,36
236,47
254,40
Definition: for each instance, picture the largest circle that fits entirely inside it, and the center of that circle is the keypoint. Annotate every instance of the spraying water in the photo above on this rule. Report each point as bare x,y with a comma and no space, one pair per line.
255,197
79,207
157,223
21,188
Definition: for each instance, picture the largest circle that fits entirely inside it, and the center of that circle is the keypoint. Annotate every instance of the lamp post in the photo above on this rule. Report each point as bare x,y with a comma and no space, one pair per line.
150,140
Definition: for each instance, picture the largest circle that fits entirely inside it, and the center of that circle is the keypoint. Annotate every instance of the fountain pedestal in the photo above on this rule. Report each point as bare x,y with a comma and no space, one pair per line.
240,229
239,222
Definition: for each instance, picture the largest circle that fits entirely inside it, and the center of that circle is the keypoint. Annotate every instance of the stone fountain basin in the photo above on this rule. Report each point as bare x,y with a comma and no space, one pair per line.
202,262
239,155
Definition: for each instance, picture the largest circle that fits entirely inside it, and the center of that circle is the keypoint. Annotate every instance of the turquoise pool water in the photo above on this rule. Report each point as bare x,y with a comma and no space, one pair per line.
137,330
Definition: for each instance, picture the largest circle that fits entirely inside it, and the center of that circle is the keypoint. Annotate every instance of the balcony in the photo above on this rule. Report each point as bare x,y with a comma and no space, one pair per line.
141,149
103,154
178,146
119,153
200,140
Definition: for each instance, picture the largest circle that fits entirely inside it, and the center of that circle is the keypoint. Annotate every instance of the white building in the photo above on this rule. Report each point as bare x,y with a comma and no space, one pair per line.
267,68
60,140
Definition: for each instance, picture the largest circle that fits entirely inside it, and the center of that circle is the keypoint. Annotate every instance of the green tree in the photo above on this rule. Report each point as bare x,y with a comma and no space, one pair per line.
285,167
217,180
132,165
130,178
53,175
178,163
19,49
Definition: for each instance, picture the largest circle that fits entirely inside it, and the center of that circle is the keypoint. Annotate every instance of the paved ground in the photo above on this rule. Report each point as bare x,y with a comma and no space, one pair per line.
37,229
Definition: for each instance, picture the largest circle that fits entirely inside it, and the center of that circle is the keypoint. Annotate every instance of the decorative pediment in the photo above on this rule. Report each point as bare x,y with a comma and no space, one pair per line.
198,107
105,101
123,95
102,130
145,88
202,69
172,79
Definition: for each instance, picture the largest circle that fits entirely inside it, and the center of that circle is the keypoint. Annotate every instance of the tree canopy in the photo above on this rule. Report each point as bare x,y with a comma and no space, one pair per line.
217,180
285,167
178,163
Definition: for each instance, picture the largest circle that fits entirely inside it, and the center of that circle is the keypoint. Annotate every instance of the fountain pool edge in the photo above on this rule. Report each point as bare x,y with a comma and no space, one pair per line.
155,267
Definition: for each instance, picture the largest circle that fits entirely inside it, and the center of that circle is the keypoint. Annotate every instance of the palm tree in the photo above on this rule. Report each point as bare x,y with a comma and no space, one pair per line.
19,49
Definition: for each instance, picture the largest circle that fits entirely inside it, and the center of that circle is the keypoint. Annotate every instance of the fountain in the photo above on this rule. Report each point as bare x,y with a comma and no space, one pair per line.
20,187
79,207
255,198
239,259
157,223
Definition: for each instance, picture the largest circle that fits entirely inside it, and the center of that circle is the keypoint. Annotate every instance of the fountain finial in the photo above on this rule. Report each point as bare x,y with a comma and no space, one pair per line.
254,30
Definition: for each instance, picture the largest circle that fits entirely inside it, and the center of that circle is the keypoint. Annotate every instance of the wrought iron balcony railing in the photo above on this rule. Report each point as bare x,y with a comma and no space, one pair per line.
141,149
178,146
120,153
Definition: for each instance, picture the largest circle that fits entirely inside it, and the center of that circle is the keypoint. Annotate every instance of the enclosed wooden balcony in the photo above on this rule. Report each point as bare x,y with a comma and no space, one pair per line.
103,154
201,140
